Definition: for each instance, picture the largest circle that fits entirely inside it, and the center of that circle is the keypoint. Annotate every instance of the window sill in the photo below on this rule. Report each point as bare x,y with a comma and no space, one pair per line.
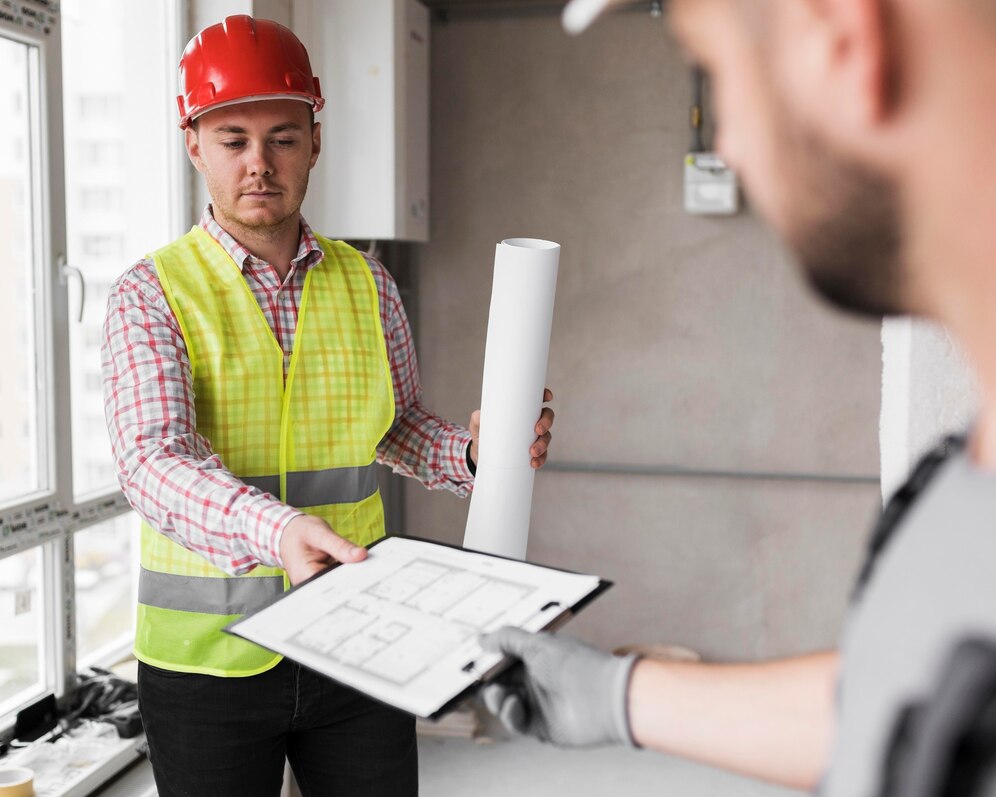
77,766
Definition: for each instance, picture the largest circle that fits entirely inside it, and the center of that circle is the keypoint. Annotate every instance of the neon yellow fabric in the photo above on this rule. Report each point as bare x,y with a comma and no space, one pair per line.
336,406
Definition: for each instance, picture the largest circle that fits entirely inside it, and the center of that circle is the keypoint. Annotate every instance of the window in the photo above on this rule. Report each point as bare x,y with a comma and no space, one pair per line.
103,107
22,629
21,467
101,200
92,335
99,154
117,105
56,472
27,323
106,587
100,246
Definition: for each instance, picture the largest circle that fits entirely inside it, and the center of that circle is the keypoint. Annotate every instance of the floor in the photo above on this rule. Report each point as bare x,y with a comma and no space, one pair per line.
525,768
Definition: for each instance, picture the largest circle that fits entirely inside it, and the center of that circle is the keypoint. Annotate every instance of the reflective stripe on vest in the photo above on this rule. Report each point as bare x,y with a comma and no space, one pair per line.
228,596
321,487
206,594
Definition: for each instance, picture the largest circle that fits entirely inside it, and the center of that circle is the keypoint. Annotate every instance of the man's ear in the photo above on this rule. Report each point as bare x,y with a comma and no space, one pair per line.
865,54
316,142
192,140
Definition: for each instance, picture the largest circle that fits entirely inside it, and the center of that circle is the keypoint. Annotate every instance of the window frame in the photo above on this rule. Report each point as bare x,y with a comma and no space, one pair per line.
27,521
48,519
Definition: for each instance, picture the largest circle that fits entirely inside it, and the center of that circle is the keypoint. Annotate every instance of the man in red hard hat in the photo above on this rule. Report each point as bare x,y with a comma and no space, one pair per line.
254,373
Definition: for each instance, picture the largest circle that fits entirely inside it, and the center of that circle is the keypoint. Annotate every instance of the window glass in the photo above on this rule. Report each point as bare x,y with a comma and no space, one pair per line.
106,579
21,628
20,438
119,109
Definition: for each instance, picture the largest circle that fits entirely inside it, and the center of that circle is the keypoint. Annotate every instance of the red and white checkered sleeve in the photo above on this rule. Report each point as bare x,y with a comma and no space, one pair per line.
419,444
168,472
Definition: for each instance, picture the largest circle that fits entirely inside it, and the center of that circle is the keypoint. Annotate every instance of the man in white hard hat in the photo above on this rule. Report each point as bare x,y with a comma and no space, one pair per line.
863,132
254,373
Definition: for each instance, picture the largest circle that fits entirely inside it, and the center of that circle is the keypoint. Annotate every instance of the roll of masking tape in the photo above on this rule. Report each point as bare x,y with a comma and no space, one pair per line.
17,782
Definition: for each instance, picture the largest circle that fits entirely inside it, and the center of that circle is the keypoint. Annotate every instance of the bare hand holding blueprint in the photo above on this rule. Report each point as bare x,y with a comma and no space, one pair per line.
402,625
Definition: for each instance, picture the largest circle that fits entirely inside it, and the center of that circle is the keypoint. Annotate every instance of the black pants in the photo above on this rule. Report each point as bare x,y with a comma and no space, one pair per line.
229,736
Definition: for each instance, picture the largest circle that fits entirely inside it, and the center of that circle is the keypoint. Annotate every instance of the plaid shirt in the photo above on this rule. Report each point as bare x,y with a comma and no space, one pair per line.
167,470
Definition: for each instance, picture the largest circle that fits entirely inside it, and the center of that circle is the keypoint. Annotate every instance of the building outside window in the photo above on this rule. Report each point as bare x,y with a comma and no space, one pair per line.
20,466
117,90
22,629
105,586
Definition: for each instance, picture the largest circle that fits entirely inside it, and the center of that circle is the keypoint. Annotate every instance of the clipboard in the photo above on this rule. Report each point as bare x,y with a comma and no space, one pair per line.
402,625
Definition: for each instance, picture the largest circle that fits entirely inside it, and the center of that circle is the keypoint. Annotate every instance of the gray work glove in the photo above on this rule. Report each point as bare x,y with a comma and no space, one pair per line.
566,692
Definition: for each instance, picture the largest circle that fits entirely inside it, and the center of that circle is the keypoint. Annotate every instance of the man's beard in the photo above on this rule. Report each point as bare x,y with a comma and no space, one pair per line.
231,211
844,226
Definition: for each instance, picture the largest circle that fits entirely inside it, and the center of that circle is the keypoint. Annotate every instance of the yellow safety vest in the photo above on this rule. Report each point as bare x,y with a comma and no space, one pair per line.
310,442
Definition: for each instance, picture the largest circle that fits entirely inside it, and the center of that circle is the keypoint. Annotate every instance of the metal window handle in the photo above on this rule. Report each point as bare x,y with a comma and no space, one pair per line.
65,271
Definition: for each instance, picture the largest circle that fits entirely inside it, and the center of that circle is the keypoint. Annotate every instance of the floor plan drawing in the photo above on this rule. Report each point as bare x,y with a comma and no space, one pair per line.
398,626
403,625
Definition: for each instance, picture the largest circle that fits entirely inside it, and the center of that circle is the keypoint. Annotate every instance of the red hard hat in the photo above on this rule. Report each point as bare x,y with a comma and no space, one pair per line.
244,59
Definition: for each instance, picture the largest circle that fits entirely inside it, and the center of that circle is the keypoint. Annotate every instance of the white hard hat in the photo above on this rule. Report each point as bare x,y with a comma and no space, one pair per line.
579,14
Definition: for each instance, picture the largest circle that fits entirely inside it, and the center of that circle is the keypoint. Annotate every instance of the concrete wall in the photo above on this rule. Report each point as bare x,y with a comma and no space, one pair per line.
677,341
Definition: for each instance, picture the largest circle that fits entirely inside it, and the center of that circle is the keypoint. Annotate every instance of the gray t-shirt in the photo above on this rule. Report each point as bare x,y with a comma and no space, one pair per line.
933,585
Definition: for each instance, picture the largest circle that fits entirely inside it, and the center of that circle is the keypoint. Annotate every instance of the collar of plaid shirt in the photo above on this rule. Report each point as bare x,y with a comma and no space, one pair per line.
308,250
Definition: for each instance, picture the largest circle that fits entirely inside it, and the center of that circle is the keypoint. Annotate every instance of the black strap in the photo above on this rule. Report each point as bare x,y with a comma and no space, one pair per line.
901,502
945,746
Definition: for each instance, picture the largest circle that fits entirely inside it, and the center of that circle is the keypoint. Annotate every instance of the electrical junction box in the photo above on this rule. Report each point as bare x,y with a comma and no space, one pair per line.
710,185
371,58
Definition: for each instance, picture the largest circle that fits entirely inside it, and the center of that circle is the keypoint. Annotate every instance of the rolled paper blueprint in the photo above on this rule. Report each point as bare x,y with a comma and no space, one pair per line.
515,358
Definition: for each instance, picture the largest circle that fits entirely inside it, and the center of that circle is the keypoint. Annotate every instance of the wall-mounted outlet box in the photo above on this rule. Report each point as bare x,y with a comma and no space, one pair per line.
710,185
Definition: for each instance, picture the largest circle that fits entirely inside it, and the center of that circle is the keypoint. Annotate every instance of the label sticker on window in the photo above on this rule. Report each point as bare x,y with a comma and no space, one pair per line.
22,602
